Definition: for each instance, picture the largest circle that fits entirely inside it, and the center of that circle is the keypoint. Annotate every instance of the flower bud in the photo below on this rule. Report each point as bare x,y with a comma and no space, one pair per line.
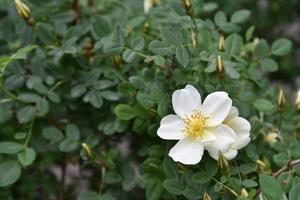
221,45
117,61
87,150
223,165
194,38
281,100
206,196
244,193
263,165
271,137
23,9
187,4
297,101
219,65
146,27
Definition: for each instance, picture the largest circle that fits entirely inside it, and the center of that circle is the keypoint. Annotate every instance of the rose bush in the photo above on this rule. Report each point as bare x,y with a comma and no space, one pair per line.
88,89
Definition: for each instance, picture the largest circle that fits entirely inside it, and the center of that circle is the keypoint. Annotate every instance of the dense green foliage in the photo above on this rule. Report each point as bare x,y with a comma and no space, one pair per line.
102,73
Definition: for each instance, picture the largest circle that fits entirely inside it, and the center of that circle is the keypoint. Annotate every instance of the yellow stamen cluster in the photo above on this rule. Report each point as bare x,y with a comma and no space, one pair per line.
196,125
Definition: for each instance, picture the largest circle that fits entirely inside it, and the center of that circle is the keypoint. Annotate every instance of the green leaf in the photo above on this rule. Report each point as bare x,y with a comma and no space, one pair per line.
270,187
281,47
125,112
78,90
137,43
20,54
210,6
240,16
42,106
110,95
68,145
45,32
201,177
233,45
89,196
249,32
294,193
10,172
281,159
263,105
26,114
220,18
145,100
154,191
10,147
232,72
182,56
29,97
100,27
52,133
72,132
261,49
269,65
27,156
159,48
173,186
129,55
249,183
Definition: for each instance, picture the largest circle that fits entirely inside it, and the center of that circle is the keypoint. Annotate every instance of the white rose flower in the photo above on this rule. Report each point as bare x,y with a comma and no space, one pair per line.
241,128
198,126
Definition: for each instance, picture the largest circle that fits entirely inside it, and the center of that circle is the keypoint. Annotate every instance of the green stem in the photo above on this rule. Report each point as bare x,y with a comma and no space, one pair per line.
103,170
29,133
229,189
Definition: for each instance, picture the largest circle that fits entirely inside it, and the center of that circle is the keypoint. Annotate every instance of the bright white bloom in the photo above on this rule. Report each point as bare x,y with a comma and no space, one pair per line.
241,128
147,5
197,125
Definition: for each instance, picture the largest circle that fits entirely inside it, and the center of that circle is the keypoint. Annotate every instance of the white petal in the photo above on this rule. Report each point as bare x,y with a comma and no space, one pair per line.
171,128
225,137
147,5
232,114
186,100
231,154
209,138
187,151
242,140
216,106
239,124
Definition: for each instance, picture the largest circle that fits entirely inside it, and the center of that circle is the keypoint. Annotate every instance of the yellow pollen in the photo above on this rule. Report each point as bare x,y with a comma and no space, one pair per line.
196,125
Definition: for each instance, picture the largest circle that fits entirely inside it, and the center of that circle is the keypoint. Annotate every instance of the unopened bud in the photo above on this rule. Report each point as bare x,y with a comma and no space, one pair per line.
87,150
146,27
223,165
281,100
194,38
117,61
255,41
263,165
219,65
23,9
206,196
221,45
187,4
244,193
297,101
271,137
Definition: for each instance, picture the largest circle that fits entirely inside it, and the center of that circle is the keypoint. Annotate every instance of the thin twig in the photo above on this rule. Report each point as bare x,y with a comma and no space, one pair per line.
286,167
76,8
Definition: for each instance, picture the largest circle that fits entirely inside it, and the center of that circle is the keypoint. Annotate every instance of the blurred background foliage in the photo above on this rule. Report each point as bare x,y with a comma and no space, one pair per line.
81,103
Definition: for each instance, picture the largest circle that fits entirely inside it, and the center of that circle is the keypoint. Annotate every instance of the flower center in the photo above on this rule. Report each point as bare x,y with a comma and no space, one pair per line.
196,125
